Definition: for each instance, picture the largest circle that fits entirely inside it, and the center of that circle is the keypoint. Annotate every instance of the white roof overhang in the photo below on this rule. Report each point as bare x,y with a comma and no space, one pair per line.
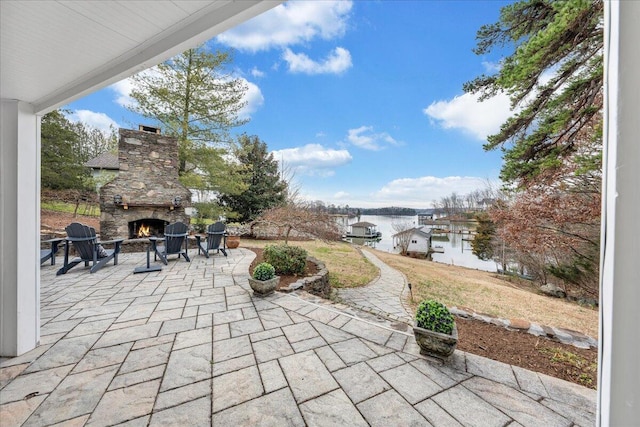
56,51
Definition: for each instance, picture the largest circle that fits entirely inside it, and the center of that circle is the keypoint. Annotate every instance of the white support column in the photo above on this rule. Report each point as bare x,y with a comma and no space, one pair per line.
19,228
619,350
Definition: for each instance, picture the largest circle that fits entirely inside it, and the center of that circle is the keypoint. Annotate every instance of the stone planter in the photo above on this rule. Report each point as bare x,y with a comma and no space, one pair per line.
435,344
233,242
263,288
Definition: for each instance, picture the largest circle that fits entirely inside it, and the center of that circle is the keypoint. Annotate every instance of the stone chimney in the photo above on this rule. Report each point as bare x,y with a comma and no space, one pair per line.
146,192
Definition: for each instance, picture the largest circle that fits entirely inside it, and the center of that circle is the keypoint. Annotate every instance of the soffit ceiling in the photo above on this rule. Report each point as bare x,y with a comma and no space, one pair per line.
53,52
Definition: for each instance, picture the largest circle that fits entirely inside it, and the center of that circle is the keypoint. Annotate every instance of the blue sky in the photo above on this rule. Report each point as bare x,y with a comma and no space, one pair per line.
363,100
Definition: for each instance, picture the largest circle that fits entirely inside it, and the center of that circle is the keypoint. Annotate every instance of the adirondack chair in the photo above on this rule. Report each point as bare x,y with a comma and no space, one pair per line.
175,242
215,236
89,248
50,252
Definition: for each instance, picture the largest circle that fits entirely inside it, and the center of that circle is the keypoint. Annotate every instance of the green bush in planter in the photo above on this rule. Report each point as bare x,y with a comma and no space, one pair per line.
434,316
264,271
287,260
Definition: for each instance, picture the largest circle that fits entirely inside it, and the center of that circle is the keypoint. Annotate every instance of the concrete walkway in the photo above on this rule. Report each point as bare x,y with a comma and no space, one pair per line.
386,295
190,345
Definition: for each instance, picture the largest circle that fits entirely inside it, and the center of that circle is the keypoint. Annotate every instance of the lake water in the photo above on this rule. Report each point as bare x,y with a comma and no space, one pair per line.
456,250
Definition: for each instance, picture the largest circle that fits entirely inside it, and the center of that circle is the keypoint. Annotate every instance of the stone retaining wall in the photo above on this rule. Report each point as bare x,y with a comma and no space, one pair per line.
564,336
318,284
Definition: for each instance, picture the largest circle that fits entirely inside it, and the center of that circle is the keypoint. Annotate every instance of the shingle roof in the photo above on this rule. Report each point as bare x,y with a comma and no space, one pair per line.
105,160
414,230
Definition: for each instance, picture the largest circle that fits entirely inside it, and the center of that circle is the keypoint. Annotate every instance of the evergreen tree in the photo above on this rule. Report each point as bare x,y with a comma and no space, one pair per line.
552,143
193,99
61,162
554,76
265,188
482,244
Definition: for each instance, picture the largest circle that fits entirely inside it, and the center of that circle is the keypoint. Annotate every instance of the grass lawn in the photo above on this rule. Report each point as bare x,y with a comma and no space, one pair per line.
347,267
83,208
489,293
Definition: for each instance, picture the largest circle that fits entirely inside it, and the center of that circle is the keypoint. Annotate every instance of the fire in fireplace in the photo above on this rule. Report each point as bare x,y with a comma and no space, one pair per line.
146,227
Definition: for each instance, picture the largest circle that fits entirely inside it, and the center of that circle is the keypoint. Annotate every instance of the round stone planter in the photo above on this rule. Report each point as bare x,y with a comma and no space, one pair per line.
233,242
436,344
263,288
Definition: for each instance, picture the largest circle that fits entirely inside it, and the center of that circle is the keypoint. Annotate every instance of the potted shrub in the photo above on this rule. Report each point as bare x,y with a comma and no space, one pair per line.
264,280
435,330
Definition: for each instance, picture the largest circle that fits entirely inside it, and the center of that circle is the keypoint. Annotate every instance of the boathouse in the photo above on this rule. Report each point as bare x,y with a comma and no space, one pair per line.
364,229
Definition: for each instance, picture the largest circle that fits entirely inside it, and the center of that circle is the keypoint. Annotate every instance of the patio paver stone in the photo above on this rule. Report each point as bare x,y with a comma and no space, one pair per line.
190,345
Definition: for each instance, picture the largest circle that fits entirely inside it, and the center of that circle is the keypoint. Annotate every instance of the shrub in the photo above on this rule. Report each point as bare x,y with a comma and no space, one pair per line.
287,260
434,316
264,271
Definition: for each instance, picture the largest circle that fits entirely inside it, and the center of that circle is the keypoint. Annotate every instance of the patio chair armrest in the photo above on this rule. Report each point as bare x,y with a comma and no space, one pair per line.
55,240
55,243
109,242
116,242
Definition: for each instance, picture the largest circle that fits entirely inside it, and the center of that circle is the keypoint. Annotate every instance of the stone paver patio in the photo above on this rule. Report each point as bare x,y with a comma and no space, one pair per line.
190,345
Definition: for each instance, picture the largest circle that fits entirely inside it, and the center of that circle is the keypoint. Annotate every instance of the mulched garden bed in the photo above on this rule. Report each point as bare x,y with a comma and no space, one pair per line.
285,281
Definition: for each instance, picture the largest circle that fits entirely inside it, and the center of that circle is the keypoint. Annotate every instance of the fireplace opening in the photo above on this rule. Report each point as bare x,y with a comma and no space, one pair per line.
147,227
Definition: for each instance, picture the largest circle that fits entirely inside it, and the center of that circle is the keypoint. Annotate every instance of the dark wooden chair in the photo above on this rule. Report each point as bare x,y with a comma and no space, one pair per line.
215,237
175,242
50,252
89,248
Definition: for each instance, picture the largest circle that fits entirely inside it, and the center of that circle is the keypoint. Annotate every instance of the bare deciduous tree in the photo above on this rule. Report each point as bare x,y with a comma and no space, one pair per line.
554,225
402,238
298,217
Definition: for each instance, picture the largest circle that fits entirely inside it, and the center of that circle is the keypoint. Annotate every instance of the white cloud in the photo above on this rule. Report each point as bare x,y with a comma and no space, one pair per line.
338,61
491,67
481,119
466,112
96,120
290,24
312,159
255,72
123,90
415,193
365,138
341,195
254,98
422,191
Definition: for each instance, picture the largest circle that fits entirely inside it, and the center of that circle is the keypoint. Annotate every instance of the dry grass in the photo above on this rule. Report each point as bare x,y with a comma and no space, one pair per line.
483,292
347,267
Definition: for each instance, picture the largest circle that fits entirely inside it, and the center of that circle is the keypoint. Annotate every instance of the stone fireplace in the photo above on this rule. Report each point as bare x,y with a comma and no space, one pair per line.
146,195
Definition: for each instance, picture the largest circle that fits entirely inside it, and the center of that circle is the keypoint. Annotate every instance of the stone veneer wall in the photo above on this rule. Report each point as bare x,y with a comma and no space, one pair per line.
148,176
317,284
